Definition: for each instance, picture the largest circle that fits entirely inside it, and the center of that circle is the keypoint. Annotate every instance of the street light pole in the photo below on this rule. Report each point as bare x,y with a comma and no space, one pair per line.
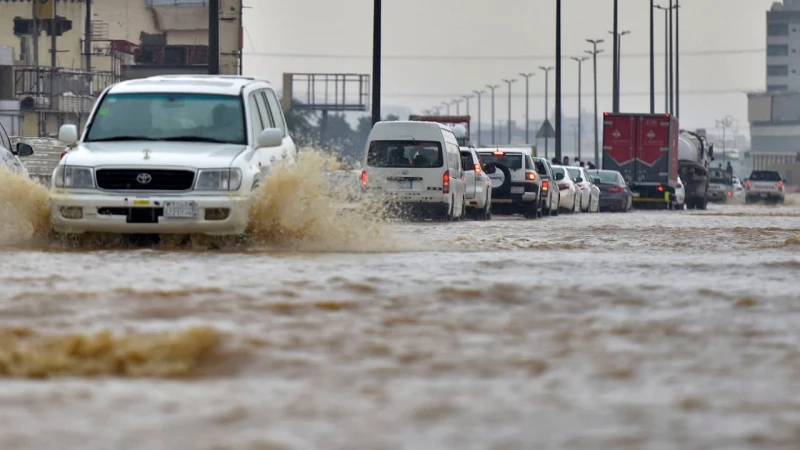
466,99
671,79
478,94
594,52
677,59
666,55
652,58
447,105
546,105
616,57
376,62
492,88
509,82
619,64
580,108
457,102
527,77
558,79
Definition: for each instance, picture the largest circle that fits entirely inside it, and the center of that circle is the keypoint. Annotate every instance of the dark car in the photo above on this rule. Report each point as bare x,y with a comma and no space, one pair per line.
615,195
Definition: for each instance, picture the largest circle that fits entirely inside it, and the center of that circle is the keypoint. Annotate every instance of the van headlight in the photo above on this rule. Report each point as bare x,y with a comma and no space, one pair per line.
74,177
219,180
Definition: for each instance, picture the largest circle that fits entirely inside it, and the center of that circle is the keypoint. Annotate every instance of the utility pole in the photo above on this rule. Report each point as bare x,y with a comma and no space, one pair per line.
619,64
594,52
677,59
546,105
652,58
616,57
457,102
53,44
527,77
666,55
492,88
478,94
213,37
671,72
87,41
724,123
509,82
580,108
376,62
558,80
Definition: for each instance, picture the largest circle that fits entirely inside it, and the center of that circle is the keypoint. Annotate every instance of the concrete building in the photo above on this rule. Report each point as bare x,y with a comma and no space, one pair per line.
46,81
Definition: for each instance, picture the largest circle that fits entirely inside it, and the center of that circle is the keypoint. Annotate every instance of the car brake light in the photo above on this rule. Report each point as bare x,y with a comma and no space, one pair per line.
477,168
545,185
580,186
747,183
561,187
615,189
661,189
498,153
780,185
446,182
730,193
364,178
680,186
530,176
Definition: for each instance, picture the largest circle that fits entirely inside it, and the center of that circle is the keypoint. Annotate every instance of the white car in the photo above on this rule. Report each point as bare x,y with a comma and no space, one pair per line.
738,188
680,195
9,158
551,197
590,193
170,155
571,195
416,167
478,184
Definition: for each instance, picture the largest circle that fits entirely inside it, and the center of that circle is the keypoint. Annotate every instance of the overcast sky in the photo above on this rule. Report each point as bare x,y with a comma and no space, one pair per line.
723,48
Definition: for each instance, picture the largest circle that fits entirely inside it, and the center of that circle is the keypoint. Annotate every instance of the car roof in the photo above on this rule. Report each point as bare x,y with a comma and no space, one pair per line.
201,84
514,150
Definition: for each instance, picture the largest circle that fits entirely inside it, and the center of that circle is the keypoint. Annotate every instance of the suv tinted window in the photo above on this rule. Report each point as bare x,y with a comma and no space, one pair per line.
541,168
765,175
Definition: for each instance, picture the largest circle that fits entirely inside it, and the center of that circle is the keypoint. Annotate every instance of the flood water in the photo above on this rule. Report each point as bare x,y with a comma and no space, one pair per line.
655,330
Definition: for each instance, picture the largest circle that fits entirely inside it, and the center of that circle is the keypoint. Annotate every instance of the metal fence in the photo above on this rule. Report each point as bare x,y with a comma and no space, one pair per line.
59,89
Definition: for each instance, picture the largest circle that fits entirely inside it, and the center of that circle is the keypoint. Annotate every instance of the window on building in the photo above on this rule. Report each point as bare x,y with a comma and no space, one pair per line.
777,50
777,87
777,71
773,29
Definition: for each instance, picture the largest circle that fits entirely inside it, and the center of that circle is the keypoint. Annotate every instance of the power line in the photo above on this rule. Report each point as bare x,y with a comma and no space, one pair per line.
599,94
751,51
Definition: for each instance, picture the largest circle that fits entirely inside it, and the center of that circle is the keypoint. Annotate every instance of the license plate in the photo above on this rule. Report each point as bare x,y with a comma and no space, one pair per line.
518,189
180,209
636,194
404,184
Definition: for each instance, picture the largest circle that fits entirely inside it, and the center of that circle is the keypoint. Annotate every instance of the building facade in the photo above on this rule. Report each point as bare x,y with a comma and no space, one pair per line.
52,68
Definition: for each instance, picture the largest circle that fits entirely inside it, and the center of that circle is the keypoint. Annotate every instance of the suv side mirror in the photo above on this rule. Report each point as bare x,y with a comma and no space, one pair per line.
68,134
23,150
270,137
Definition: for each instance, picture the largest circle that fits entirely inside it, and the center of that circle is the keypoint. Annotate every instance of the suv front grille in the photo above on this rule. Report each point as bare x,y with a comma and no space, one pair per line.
136,179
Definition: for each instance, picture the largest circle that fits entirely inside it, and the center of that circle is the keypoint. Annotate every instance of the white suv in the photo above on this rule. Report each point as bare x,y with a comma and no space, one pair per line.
170,155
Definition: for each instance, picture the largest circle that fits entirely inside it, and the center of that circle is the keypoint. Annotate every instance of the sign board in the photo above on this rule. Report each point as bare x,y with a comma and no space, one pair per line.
546,131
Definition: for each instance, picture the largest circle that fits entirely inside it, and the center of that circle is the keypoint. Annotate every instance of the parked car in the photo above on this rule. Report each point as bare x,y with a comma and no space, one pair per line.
9,157
680,195
765,185
417,167
515,183
172,154
551,195
478,184
615,193
571,194
590,193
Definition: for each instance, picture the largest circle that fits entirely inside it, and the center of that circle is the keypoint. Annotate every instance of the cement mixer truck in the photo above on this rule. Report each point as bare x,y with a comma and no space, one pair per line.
694,156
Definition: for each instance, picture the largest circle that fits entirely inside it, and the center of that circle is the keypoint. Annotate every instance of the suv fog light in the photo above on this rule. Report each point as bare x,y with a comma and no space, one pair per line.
217,213
72,212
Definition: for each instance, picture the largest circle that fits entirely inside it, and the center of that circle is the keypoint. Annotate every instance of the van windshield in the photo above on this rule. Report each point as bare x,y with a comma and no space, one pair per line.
169,116
418,154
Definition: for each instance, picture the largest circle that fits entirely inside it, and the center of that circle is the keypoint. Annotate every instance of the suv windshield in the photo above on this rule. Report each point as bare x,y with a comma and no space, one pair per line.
424,154
765,175
720,176
511,160
169,116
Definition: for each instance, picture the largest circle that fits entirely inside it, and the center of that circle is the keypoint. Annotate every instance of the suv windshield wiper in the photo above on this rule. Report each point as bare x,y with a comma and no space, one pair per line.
195,139
123,138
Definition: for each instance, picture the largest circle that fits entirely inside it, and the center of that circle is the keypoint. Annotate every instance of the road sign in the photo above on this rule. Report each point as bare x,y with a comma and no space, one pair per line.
546,131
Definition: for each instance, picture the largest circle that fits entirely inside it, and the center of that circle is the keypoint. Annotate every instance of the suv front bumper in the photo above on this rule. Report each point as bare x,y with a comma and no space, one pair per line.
79,213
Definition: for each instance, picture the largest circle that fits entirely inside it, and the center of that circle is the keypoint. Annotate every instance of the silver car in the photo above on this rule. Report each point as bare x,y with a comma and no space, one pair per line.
9,158
478,185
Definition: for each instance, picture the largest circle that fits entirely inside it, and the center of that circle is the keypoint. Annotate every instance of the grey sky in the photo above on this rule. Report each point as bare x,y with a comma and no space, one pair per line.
515,28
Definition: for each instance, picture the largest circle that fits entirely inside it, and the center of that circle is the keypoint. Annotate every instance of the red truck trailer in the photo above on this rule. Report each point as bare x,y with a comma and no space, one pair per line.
644,149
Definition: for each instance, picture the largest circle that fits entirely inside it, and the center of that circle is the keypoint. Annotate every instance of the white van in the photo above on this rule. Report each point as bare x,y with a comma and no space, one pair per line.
417,166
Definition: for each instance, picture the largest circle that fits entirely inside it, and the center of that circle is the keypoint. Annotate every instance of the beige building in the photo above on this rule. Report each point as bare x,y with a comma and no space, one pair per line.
127,38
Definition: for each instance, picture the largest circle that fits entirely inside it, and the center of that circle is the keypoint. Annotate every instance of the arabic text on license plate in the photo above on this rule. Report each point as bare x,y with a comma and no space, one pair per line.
404,184
518,190
180,209
635,194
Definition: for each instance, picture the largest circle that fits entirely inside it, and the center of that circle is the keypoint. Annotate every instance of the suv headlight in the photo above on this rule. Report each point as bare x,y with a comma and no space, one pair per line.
219,180
74,177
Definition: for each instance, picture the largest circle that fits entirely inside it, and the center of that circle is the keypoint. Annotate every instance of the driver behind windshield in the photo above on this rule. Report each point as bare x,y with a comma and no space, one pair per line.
227,126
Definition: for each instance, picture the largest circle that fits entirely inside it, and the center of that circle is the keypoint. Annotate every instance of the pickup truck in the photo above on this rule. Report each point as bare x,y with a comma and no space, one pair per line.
765,185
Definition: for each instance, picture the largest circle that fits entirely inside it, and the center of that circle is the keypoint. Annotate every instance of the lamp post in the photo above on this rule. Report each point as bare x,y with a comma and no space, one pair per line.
447,105
466,99
594,52
667,92
546,104
478,94
724,123
652,58
492,88
558,79
376,62
615,101
671,79
580,108
618,62
677,59
527,77
509,82
457,102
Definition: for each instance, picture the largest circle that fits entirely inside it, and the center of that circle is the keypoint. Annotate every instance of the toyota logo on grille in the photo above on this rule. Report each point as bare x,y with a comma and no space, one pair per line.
144,178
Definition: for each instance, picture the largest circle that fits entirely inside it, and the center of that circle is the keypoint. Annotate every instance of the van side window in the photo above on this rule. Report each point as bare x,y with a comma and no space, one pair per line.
255,118
276,111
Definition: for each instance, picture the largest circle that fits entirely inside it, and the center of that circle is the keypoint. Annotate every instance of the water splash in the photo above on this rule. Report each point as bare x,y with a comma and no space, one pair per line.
24,210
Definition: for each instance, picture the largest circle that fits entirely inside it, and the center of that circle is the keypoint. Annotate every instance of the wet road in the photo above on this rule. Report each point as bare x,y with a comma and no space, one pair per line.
656,330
